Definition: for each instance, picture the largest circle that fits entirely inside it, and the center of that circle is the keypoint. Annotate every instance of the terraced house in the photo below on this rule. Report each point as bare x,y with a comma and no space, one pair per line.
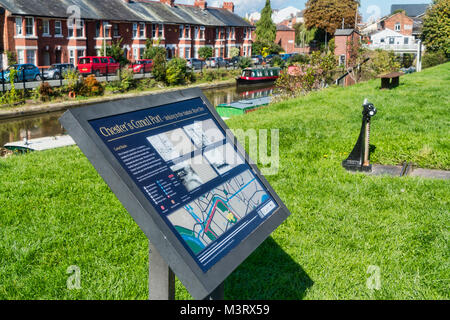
43,32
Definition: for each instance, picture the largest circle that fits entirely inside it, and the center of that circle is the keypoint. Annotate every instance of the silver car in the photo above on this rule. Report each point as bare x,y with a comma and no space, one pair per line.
57,71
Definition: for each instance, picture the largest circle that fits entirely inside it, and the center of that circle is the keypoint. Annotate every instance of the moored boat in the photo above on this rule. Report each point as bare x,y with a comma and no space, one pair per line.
258,75
241,107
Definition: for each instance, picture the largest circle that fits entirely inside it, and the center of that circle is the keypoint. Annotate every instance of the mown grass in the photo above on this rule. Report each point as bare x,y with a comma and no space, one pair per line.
56,211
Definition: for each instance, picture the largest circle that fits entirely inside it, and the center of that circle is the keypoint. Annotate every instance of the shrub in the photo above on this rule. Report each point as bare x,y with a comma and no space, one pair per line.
176,71
205,52
91,87
277,61
245,62
159,66
45,92
127,80
431,59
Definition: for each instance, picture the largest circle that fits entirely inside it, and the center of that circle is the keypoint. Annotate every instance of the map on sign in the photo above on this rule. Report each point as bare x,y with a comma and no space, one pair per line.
204,220
195,178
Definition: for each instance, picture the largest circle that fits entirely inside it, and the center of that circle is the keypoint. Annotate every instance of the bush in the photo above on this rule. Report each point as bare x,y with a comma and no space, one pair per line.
45,92
159,67
431,59
205,52
128,82
277,61
91,87
298,58
245,62
176,71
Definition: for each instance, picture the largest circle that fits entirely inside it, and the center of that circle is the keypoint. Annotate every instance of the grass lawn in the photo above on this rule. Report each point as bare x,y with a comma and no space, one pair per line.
56,211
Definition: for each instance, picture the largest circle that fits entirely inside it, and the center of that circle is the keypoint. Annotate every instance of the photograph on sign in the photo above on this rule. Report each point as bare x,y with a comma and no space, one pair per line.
198,182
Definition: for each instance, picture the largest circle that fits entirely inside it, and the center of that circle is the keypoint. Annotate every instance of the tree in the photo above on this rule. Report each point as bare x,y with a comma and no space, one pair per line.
266,29
176,71
436,27
303,36
205,52
159,66
329,14
234,52
115,50
152,51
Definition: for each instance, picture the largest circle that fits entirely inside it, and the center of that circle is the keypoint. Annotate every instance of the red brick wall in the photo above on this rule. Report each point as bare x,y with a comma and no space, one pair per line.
406,23
286,39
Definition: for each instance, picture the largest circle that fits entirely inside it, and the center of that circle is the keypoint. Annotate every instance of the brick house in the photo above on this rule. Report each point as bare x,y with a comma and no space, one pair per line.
53,31
286,39
398,22
346,41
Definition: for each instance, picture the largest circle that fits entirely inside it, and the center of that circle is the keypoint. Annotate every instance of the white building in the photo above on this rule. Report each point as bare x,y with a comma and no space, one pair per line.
388,39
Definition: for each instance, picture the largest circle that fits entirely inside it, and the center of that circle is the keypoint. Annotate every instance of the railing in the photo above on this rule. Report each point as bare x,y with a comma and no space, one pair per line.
393,47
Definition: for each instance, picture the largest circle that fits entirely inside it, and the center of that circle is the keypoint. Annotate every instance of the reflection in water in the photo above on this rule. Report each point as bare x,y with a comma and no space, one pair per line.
48,125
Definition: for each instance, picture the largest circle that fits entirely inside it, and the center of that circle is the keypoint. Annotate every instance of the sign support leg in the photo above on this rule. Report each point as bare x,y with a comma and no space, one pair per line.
217,294
161,282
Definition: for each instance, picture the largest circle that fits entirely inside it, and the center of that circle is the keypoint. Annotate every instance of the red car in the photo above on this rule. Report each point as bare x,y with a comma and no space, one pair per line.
142,66
97,65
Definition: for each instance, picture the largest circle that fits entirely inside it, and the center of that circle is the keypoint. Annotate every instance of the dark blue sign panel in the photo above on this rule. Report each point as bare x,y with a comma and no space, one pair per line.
197,180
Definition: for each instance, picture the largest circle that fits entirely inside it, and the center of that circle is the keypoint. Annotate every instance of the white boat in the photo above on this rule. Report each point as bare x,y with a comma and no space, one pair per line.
40,144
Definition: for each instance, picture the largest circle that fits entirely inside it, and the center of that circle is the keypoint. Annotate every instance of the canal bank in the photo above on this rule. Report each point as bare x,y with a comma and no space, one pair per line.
43,122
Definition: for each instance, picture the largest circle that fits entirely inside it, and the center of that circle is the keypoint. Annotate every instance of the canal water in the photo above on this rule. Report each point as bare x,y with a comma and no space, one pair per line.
47,125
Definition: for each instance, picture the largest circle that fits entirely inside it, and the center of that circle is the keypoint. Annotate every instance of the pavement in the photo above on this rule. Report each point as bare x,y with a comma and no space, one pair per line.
401,171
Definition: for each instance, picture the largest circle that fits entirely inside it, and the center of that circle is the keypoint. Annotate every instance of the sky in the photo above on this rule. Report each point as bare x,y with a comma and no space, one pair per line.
369,8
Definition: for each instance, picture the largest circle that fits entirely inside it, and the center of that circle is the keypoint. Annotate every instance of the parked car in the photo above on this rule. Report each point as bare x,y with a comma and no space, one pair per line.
216,62
142,66
195,64
97,65
268,59
257,60
57,71
25,72
233,62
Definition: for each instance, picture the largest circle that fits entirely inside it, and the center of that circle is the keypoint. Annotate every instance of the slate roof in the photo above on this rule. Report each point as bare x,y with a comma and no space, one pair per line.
412,10
282,27
344,32
119,10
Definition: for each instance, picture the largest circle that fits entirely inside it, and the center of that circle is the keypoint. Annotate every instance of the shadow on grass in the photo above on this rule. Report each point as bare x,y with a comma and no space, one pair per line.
268,274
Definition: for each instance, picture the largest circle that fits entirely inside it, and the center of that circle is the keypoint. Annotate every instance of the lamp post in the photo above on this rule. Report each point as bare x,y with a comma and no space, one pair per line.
105,26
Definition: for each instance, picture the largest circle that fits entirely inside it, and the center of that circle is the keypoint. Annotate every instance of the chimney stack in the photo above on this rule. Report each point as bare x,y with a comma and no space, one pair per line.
168,2
202,4
229,5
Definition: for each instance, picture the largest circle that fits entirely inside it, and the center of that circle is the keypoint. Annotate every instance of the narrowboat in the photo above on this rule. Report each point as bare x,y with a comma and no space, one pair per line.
241,107
258,75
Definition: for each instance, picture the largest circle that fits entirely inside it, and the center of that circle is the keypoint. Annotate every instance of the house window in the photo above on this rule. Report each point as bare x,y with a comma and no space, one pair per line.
181,32
80,28
19,26
45,27
135,30
233,33
116,30
20,57
136,53
106,30
406,40
217,33
72,56
188,32
342,60
202,33
228,33
142,30
29,26
97,29
31,56
391,40
58,28
80,53
397,27
154,31
196,34
161,31
382,40
187,52
245,33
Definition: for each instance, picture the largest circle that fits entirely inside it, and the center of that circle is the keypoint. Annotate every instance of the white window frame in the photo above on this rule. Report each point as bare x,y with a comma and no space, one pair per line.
154,27
135,30
188,32
33,54
33,31
60,33
72,56
161,31
202,33
181,32
398,26
20,56
45,27
19,26
142,30
196,33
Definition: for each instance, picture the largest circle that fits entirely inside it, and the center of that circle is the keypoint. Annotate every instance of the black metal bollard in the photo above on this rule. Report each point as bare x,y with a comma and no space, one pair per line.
23,78
60,76
42,75
359,158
